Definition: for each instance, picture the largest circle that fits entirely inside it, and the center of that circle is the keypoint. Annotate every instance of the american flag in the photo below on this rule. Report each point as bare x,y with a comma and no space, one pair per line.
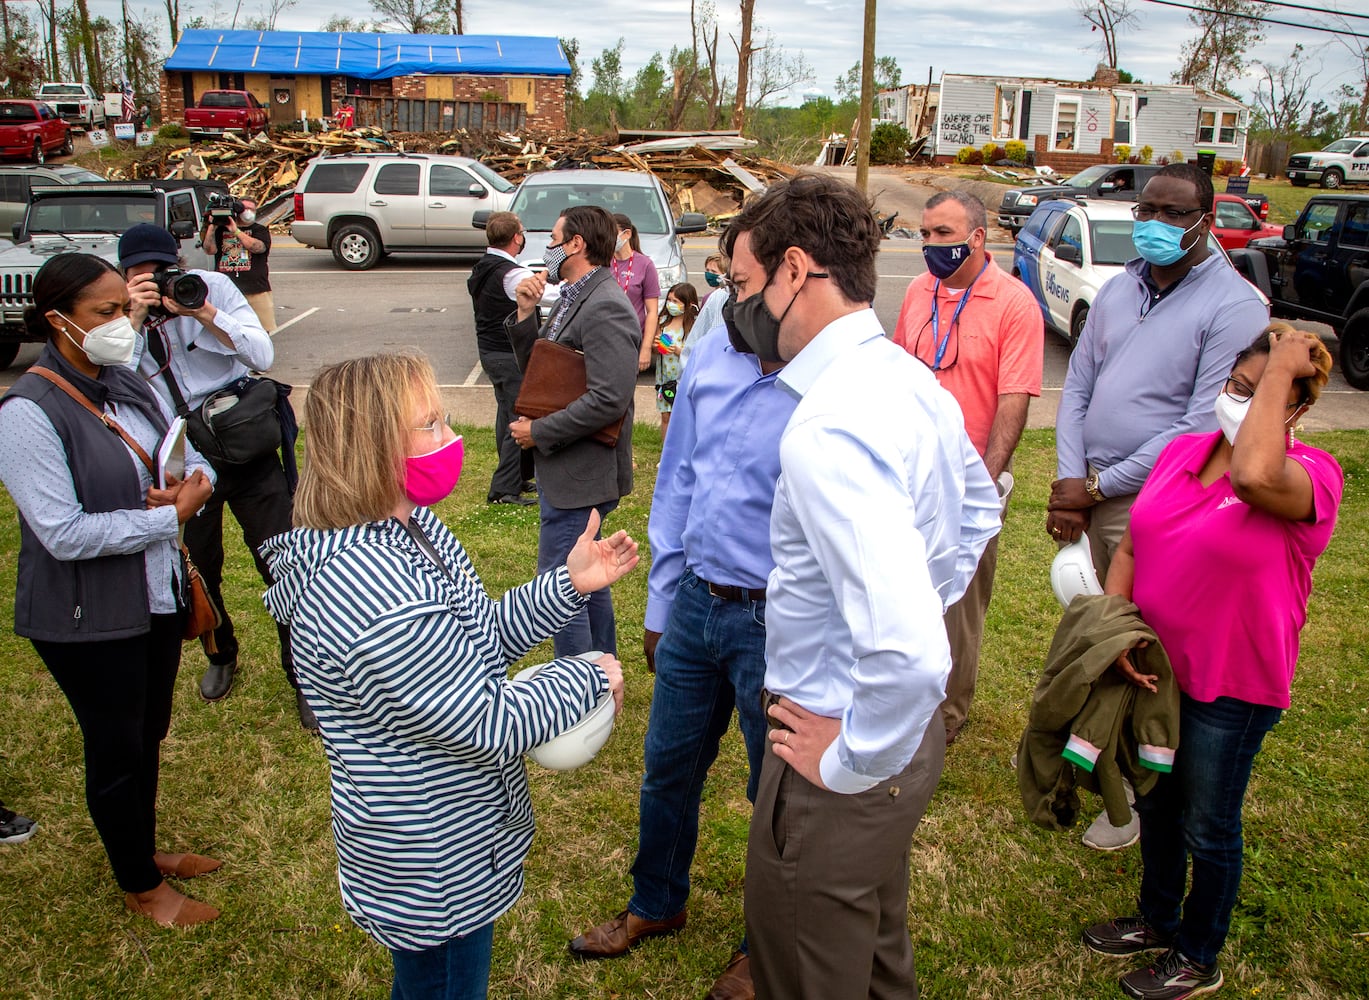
128,107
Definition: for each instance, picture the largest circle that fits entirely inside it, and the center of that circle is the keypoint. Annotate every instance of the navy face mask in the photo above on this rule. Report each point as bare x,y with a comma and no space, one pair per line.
944,259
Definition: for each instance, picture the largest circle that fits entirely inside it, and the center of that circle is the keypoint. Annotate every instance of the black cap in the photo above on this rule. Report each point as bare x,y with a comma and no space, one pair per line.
146,242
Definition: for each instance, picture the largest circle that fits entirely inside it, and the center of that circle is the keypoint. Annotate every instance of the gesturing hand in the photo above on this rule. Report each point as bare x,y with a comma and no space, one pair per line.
594,565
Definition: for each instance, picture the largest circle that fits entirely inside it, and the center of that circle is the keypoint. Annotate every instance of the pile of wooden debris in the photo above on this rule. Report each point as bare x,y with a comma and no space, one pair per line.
265,168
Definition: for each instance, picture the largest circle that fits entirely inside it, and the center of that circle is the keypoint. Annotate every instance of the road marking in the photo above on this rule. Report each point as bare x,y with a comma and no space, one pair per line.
291,322
473,377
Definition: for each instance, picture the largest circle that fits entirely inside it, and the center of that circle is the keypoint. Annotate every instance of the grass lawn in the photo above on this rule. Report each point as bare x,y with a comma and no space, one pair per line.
996,904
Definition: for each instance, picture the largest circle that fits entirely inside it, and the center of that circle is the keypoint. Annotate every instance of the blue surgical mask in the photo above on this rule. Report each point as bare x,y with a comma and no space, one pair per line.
1159,242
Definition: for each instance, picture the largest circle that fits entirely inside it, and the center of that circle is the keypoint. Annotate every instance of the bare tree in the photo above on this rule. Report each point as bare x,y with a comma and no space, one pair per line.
773,71
173,19
1281,94
458,17
1226,32
1359,51
415,17
744,53
1111,17
271,10
684,73
717,85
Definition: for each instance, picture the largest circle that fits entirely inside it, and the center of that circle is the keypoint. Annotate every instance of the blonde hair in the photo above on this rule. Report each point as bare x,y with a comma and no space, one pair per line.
357,421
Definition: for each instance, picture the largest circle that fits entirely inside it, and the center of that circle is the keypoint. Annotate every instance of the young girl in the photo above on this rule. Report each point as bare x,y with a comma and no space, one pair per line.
676,320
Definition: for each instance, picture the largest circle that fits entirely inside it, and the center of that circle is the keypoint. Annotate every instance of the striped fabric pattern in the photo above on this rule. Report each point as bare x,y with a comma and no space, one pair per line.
406,668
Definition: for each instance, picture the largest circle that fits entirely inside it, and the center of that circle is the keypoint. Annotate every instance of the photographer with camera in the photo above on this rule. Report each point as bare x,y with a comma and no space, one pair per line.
240,246
201,339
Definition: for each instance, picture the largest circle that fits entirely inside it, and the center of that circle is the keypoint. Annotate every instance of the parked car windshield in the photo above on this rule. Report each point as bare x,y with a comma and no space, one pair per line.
212,100
79,213
62,88
1112,241
1343,146
487,175
75,175
1088,175
539,205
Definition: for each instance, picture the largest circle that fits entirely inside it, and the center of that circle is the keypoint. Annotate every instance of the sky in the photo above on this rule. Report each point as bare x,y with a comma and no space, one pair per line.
1011,37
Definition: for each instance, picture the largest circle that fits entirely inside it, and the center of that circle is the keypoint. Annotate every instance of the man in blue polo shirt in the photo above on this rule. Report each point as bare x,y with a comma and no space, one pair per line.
705,628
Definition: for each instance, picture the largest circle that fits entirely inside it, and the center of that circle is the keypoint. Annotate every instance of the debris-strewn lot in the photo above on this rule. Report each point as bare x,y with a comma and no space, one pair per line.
265,168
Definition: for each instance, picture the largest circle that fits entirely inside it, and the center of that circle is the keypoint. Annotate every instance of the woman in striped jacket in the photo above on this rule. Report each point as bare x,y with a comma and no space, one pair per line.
404,658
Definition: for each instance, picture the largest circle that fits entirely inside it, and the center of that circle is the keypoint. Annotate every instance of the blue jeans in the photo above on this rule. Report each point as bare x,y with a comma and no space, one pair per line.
1195,812
458,969
592,627
710,658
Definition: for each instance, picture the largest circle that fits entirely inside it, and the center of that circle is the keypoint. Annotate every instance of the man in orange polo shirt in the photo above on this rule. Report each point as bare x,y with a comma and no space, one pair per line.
982,334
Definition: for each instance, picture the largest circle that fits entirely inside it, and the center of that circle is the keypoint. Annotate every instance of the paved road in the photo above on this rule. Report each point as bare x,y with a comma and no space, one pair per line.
420,302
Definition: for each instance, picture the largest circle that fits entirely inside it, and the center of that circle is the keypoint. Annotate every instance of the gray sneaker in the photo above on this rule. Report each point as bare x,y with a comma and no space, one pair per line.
1172,976
1124,936
15,829
1103,836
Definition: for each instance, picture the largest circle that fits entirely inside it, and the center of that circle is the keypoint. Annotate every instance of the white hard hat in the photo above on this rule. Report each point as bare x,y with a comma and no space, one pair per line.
576,746
1072,572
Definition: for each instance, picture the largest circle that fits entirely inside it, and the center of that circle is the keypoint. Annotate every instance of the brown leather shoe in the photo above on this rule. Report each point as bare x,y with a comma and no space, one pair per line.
185,865
735,982
621,934
169,908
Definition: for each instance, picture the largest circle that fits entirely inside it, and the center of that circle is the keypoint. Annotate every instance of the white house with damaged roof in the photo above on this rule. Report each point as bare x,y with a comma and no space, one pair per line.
1070,125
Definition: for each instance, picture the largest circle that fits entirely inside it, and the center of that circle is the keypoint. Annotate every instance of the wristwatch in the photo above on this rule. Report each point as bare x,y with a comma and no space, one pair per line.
1091,488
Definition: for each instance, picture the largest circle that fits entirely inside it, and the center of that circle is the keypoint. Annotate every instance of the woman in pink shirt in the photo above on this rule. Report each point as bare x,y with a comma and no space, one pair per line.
636,276
1218,558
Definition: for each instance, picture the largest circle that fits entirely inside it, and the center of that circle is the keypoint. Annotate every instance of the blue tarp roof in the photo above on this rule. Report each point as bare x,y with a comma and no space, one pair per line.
366,56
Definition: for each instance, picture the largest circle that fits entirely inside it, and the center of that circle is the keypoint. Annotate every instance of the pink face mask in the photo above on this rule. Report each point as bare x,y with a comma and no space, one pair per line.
430,478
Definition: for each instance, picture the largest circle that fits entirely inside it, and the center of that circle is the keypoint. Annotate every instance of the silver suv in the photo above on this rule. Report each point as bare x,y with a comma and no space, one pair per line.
364,206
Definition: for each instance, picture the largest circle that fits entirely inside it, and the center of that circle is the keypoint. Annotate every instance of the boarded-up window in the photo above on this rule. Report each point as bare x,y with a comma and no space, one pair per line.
442,88
523,91
1005,112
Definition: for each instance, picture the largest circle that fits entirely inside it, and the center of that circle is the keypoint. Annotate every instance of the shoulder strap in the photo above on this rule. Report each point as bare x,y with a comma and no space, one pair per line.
156,346
105,419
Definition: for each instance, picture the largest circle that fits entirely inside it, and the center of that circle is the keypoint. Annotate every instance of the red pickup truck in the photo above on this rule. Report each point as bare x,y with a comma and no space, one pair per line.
221,111
32,130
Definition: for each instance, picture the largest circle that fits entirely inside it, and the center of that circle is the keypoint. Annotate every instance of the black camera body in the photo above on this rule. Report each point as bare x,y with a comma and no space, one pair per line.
187,290
223,208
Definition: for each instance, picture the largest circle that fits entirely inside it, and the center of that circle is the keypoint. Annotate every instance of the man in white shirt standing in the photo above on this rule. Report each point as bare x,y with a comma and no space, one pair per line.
882,510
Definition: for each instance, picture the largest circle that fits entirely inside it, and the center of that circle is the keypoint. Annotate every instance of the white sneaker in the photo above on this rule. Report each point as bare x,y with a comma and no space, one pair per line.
1103,836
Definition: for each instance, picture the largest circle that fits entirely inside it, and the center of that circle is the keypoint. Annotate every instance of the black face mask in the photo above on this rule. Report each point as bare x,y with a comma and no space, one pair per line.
752,327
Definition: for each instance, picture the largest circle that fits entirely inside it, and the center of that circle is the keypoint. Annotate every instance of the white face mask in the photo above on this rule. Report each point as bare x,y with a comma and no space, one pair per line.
247,217
622,242
107,344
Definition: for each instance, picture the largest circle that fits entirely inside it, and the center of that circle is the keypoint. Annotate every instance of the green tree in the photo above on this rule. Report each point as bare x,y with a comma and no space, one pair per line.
574,102
647,97
604,99
887,77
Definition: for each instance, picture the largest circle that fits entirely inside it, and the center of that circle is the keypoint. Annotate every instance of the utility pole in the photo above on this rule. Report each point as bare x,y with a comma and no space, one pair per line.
867,100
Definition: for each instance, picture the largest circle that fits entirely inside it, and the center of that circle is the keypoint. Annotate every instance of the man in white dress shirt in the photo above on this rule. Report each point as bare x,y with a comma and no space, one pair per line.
882,510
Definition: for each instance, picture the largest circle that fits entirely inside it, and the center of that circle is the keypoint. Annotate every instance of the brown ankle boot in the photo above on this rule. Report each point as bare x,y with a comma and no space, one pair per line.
185,865
169,908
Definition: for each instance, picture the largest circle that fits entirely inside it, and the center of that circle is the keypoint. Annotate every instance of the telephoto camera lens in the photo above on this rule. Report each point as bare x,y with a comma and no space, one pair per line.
186,290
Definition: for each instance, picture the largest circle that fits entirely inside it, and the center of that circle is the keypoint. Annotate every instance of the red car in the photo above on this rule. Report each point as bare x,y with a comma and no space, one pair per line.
32,130
221,111
1236,223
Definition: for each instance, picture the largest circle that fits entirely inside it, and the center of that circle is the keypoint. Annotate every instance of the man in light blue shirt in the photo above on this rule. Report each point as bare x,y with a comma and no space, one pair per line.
882,510
705,626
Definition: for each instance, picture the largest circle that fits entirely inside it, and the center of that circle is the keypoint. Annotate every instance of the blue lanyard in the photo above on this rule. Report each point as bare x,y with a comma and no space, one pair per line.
941,344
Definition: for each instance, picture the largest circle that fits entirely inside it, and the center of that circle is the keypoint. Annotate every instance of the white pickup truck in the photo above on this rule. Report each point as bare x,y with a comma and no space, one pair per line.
76,102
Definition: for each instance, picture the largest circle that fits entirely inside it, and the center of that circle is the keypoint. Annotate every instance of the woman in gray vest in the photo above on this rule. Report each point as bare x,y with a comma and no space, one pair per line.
100,574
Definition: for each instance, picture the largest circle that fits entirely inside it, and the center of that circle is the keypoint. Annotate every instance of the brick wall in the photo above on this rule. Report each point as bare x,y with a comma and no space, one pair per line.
173,97
1070,163
546,110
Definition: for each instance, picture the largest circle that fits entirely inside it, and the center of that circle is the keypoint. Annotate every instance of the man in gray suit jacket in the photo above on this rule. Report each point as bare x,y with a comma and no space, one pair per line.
575,473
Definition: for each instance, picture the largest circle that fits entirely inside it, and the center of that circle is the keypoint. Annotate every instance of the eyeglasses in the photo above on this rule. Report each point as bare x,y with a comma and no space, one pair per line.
434,427
1143,213
1242,392
953,333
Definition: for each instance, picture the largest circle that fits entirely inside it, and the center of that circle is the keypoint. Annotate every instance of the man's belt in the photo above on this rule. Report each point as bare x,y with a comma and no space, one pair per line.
726,592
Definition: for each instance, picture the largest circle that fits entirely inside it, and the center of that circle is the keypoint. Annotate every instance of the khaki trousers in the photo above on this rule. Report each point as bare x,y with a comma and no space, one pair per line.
965,629
827,882
265,307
